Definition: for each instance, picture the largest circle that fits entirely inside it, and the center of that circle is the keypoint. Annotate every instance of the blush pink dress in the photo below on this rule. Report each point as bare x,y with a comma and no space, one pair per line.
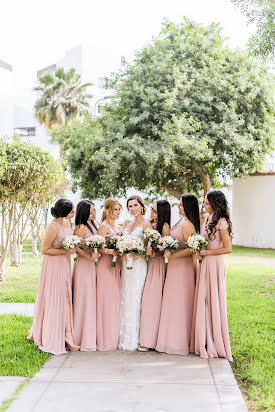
108,301
48,328
151,302
178,301
84,299
210,336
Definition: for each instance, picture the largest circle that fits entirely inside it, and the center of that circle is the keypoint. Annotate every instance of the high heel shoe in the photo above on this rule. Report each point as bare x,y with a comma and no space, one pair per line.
143,349
70,343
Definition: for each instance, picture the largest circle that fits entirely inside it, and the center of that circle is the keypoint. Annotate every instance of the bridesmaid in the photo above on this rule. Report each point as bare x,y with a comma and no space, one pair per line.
84,279
108,282
210,336
152,293
179,289
52,321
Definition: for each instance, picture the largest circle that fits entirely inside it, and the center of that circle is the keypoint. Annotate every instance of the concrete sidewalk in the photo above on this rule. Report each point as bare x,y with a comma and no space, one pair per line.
25,309
122,381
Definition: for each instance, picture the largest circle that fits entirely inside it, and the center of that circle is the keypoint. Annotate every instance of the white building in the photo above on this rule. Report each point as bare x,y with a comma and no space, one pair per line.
254,208
6,99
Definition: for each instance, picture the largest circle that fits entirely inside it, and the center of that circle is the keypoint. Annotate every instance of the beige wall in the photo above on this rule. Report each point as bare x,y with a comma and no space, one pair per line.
254,211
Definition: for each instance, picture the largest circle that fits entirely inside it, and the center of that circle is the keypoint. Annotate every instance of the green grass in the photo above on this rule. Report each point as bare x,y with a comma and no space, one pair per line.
5,405
251,307
18,356
21,283
251,252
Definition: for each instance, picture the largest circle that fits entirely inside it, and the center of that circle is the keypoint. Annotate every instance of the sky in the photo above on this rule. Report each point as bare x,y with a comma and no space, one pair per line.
36,33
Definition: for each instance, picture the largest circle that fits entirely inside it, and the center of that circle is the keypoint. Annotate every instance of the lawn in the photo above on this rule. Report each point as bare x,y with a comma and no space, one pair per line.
250,294
18,356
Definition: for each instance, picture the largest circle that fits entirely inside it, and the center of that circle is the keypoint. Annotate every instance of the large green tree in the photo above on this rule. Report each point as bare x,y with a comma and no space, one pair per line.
188,112
61,97
261,12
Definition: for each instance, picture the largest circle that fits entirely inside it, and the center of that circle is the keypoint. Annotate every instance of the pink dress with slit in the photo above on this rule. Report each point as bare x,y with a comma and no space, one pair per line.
84,299
178,301
210,336
151,302
48,328
108,301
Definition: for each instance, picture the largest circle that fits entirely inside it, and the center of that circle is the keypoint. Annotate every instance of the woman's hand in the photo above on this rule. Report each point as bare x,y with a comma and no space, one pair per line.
198,255
168,254
203,252
71,252
95,256
149,251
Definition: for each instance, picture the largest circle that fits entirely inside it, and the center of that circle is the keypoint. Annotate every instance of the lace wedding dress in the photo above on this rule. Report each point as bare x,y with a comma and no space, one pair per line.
132,283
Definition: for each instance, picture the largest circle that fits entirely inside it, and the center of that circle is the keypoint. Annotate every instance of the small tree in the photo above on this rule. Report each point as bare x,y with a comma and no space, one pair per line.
28,174
188,113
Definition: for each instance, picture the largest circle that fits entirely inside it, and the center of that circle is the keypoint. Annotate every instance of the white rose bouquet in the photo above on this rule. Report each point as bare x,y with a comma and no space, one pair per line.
70,242
95,242
111,243
130,244
196,242
167,243
151,236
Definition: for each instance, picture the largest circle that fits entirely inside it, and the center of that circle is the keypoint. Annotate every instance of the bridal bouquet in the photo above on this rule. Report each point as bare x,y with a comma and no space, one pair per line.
70,242
130,244
112,244
196,242
167,243
96,242
151,236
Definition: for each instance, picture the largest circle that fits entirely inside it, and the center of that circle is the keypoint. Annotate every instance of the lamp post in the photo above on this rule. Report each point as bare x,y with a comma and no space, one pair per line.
99,100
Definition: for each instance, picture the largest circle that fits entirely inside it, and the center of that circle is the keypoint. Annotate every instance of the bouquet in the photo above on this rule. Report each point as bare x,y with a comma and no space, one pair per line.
196,243
70,242
96,242
130,244
167,243
112,244
151,236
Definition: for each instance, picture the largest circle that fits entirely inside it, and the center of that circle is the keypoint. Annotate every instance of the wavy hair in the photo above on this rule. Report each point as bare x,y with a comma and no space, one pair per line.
139,200
219,205
109,204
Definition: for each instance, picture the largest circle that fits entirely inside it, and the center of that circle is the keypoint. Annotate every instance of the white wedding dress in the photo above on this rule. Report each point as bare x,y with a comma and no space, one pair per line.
132,283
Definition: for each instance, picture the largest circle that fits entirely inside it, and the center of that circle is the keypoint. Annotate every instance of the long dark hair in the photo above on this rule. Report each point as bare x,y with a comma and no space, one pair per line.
164,214
82,214
61,208
191,209
219,205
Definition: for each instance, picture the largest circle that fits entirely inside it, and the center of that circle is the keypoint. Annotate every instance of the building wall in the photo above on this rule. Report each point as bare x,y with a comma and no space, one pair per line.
254,211
6,99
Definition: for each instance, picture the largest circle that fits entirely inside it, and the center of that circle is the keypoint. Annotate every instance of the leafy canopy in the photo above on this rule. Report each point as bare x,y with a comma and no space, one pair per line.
188,112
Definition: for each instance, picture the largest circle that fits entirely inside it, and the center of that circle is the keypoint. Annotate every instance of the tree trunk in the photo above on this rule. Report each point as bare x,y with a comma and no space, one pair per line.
35,251
19,254
14,249
172,191
205,180
2,265
45,219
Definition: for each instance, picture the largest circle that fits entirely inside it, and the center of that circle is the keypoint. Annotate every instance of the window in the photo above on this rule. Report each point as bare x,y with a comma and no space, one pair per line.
25,131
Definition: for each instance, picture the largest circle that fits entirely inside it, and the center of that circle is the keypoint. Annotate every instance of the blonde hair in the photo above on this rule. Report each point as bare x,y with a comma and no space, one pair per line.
109,205
140,201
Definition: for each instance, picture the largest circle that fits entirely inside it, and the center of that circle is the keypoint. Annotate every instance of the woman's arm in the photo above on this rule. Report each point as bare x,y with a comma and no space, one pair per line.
79,231
104,231
187,230
49,237
227,247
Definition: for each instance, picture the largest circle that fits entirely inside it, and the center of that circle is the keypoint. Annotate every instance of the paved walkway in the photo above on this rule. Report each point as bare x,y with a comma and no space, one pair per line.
17,308
122,381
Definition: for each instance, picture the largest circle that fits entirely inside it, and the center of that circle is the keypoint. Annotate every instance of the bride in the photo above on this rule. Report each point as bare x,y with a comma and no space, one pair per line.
132,280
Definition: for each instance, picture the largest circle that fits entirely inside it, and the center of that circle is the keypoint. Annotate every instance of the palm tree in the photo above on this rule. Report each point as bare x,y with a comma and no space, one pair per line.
62,98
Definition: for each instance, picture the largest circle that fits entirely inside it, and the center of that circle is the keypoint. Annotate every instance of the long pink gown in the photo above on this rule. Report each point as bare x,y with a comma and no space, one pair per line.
48,328
210,336
84,299
151,302
178,301
108,302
